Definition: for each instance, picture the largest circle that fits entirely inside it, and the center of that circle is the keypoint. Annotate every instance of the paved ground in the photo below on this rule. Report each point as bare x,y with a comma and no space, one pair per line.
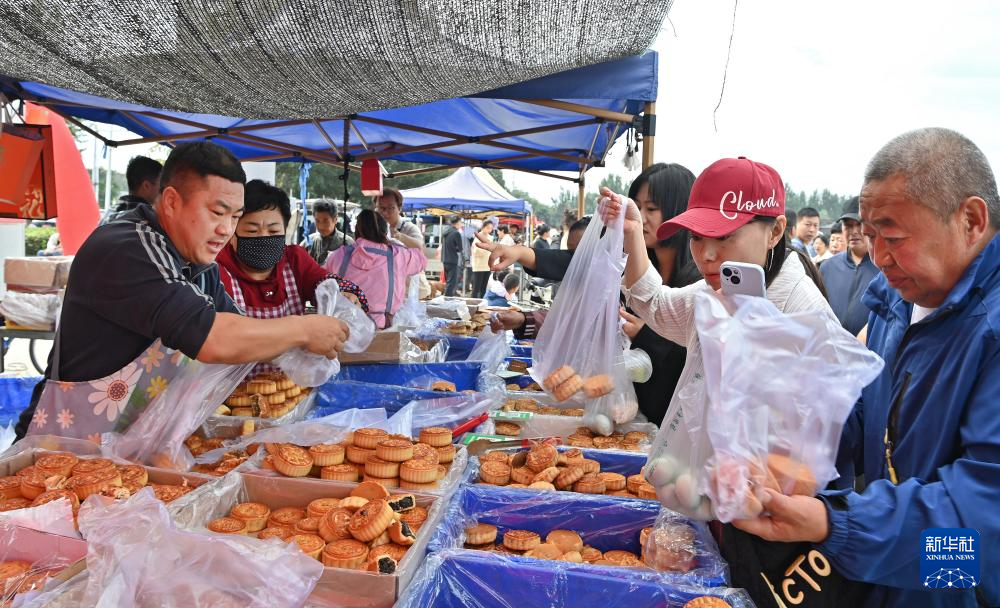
17,362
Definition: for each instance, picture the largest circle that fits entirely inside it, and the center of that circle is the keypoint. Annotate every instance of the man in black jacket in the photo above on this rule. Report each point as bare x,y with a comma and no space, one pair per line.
143,178
451,256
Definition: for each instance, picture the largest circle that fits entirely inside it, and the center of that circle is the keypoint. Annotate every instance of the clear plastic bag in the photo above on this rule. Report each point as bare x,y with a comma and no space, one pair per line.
768,411
491,349
309,369
582,330
448,412
329,429
138,557
54,517
456,578
604,523
46,556
350,588
157,437
413,312
446,308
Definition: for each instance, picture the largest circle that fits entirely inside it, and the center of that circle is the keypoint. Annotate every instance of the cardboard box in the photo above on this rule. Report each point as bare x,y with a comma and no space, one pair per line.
13,464
385,348
337,586
450,309
393,347
37,272
48,551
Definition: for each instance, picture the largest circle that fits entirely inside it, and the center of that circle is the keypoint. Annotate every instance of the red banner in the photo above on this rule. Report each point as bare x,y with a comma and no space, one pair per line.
22,182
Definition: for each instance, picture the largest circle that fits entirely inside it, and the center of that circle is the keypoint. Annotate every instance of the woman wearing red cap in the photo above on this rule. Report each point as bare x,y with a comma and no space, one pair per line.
736,213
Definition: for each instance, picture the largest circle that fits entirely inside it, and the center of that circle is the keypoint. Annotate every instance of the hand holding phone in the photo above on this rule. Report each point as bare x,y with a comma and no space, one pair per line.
738,278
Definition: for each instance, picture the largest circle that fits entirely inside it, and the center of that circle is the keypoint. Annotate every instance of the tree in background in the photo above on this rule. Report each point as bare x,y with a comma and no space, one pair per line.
555,212
827,203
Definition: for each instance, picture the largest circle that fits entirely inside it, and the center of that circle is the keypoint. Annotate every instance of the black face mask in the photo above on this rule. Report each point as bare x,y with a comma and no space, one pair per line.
260,252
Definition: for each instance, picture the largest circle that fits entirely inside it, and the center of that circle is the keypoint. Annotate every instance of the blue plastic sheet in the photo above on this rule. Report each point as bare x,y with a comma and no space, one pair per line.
336,397
456,578
460,347
521,351
414,375
605,523
15,395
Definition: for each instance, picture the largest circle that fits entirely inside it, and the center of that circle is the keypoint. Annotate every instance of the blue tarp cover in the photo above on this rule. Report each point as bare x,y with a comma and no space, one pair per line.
621,86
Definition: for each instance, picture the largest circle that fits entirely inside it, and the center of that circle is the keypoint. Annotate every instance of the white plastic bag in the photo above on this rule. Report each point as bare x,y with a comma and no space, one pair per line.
582,329
413,312
490,348
309,369
54,517
157,437
30,309
768,411
329,429
137,557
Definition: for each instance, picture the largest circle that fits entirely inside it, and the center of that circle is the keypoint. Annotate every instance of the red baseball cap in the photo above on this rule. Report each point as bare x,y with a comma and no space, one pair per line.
726,196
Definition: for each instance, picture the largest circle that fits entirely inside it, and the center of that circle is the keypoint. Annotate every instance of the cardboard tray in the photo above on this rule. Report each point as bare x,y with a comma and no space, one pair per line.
394,347
337,586
16,462
44,550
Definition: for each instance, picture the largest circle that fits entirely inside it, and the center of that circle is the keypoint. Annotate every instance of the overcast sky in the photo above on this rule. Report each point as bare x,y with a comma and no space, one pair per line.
814,89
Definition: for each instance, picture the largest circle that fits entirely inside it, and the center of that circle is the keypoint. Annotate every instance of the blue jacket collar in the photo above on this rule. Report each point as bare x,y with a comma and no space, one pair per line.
885,301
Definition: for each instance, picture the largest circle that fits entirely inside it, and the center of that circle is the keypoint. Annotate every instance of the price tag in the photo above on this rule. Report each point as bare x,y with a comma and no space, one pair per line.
512,416
470,437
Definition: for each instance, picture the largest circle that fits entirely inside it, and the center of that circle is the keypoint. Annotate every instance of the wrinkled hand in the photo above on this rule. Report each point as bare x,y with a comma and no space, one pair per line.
501,256
326,335
788,519
612,204
633,324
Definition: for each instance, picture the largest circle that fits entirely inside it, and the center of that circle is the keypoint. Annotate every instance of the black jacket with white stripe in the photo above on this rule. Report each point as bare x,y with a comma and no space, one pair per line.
128,287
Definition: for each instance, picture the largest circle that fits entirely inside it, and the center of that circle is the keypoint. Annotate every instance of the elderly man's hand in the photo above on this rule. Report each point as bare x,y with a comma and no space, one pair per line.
788,519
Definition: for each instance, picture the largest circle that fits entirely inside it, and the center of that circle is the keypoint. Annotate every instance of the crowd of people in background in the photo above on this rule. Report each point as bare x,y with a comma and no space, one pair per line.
910,267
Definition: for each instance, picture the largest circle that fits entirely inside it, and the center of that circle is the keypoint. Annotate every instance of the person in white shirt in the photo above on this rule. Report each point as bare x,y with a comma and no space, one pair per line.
735,213
504,237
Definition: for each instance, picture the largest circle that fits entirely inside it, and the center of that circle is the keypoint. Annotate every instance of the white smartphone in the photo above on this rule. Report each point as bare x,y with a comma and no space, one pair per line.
738,278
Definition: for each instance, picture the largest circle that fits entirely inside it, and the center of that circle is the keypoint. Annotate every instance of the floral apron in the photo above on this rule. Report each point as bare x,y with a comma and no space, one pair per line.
291,306
84,410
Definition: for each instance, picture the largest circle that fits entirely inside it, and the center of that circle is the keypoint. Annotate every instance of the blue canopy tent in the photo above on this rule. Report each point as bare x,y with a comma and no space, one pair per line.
563,122
467,191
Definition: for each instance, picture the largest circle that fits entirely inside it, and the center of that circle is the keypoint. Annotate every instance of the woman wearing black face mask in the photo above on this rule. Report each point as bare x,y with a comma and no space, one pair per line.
264,276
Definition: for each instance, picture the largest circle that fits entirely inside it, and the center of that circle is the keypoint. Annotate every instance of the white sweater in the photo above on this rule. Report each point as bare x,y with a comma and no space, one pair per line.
669,311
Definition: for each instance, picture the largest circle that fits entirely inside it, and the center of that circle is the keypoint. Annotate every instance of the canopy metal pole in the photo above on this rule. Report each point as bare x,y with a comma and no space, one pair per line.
647,139
581,196
107,178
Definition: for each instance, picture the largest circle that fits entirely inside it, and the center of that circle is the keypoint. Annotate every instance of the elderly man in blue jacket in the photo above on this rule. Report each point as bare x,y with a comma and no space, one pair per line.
926,433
